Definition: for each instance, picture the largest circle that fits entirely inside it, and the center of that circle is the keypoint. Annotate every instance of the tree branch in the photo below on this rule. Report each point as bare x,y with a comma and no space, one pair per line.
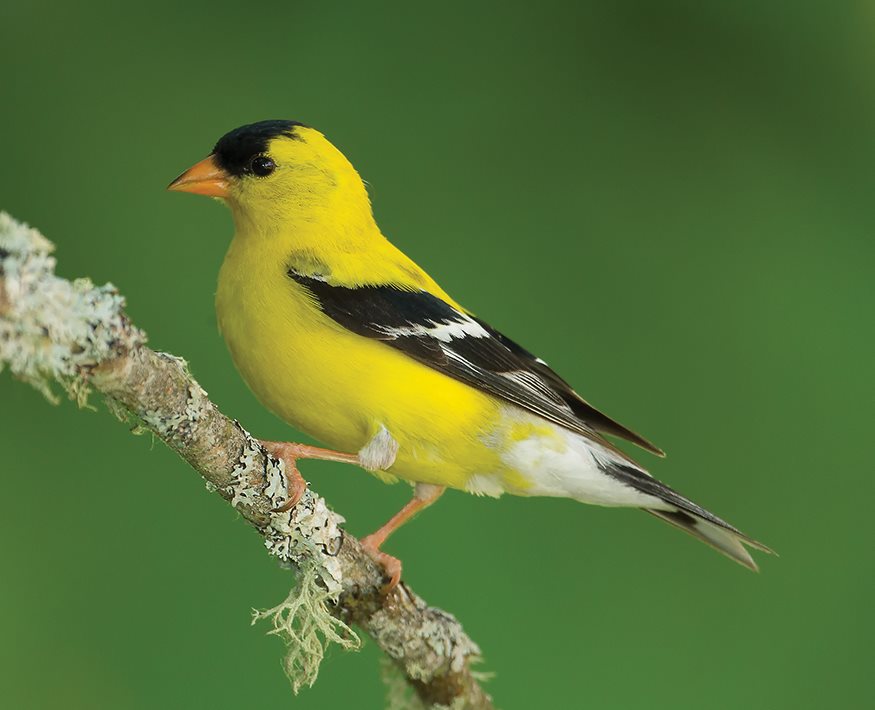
76,334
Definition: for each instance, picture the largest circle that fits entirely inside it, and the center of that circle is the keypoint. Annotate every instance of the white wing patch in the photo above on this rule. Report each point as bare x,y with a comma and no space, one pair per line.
463,327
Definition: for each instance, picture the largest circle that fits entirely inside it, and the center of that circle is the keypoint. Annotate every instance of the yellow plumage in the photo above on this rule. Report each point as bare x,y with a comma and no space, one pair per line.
337,386
344,337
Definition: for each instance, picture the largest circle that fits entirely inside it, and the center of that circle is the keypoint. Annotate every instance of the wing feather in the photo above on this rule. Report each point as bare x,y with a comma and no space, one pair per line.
597,420
433,332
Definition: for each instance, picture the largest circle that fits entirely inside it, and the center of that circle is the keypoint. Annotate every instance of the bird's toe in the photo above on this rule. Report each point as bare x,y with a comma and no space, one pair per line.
391,565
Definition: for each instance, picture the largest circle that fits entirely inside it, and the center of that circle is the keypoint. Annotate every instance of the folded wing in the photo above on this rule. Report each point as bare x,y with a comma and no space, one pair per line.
438,335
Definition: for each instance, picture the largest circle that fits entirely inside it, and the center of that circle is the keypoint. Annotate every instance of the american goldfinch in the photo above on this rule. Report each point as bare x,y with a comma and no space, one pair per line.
346,338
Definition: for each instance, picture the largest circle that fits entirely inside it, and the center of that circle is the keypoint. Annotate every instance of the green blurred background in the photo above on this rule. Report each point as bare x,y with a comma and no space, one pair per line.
671,202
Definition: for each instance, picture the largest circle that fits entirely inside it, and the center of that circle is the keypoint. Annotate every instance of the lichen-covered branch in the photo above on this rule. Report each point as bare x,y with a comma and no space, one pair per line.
77,335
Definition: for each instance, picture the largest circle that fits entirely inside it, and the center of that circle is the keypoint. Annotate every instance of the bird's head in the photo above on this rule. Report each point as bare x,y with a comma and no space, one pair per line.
274,172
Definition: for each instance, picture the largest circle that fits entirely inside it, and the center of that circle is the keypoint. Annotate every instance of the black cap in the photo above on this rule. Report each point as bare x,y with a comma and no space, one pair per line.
236,149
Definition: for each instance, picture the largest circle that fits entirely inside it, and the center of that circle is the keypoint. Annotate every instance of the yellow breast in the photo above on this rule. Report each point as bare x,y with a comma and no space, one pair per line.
340,387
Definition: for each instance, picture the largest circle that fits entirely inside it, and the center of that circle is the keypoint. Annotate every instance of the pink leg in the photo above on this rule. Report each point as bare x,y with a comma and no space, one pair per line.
290,453
424,495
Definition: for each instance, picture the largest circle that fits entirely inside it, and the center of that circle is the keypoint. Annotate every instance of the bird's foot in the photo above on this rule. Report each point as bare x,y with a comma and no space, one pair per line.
424,494
296,486
391,565
290,452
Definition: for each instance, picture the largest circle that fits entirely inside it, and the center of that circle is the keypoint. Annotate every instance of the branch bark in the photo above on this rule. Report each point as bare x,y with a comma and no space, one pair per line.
77,335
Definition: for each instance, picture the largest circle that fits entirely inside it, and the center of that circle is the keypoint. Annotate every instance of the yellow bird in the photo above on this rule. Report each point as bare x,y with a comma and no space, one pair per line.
346,338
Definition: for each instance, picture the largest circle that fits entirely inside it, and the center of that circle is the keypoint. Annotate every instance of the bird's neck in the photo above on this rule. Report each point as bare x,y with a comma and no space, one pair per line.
333,236
338,219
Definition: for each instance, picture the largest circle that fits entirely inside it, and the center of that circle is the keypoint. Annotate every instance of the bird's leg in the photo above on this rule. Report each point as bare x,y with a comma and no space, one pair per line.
424,494
290,453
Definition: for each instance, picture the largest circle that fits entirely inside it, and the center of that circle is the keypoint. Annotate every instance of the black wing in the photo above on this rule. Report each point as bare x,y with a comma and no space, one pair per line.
584,410
446,339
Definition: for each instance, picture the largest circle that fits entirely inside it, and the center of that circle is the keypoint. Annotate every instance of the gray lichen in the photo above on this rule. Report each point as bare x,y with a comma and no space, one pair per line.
177,425
242,490
440,645
399,694
53,329
310,531
308,536
307,627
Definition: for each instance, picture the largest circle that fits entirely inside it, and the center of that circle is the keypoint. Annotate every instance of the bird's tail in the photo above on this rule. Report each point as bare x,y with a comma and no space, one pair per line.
689,517
723,538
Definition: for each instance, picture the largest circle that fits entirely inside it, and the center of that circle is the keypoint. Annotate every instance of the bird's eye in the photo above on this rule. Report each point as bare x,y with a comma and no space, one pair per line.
262,166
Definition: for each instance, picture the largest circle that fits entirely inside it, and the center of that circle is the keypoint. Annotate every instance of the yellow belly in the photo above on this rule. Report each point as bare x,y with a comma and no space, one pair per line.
341,388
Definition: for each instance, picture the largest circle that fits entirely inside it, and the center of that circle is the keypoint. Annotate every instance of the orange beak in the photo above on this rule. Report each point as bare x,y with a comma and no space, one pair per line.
203,178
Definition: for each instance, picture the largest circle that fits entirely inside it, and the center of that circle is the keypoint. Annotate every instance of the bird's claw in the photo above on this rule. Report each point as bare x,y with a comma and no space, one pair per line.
391,566
296,486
